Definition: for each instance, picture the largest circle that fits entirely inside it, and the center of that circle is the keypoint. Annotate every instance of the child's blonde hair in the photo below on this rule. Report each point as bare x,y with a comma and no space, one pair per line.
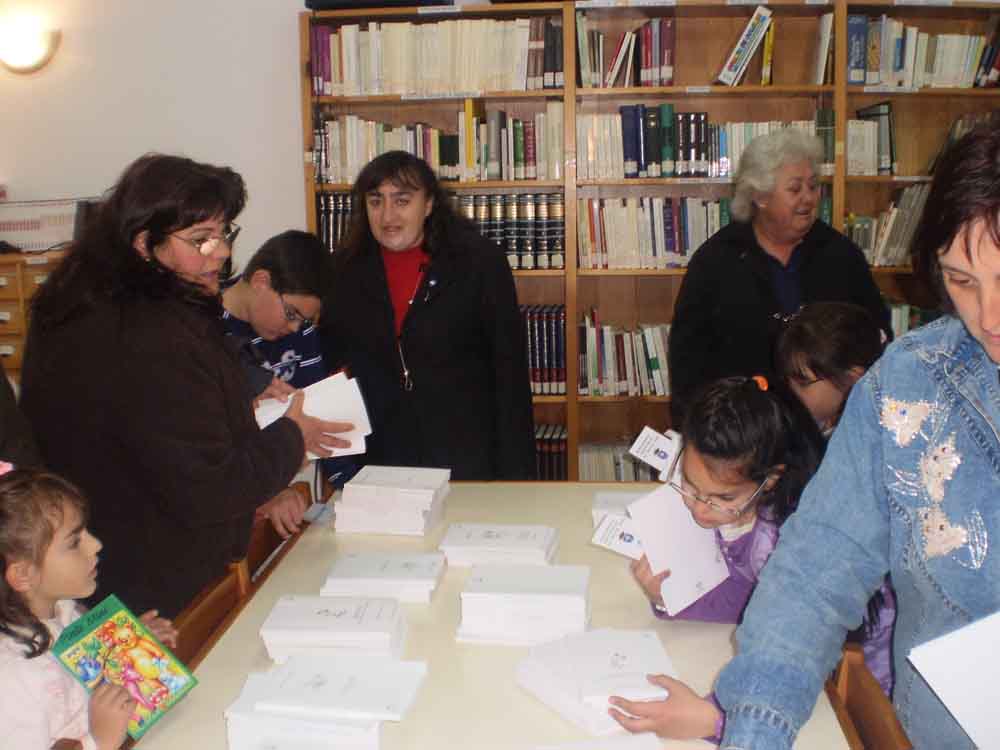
32,504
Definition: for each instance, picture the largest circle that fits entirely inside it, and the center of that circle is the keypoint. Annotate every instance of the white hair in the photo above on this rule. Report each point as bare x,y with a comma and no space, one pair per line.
760,160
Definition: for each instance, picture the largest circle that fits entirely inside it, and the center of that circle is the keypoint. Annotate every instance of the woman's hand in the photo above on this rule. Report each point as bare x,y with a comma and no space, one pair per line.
684,715
318,434
110,709
649,583
162,628
284,511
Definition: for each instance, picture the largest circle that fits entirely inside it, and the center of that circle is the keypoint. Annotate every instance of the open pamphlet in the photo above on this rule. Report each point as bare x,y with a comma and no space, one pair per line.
335,399
110,644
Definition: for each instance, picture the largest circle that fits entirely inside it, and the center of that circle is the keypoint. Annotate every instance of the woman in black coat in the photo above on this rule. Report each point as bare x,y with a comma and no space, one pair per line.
423,311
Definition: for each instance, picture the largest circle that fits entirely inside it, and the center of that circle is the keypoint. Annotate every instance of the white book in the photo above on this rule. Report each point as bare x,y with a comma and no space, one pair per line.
617,533
961,667
824,34
467,544
910,43
336,398
407,577
673,541
352,687
395,485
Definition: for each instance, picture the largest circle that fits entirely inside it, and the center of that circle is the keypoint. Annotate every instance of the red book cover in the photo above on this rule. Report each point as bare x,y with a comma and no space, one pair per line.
530,159
647,54
667,43
622,385
551,366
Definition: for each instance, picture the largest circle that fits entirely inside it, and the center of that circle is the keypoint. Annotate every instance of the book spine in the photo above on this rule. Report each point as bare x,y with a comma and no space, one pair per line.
857,38
630,146
530,155
518,127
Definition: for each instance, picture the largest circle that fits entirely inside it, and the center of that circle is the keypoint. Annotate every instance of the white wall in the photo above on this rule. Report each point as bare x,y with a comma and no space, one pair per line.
215,80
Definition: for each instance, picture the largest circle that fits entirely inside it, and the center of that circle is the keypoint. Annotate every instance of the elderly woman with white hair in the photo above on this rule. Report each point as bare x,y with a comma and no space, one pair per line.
775,257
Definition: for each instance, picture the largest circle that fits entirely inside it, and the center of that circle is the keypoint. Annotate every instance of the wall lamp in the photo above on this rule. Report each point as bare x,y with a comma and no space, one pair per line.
25,46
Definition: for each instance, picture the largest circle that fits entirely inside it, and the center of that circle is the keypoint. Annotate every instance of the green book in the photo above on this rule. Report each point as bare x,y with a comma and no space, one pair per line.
110,644
518,149
667,140
724,216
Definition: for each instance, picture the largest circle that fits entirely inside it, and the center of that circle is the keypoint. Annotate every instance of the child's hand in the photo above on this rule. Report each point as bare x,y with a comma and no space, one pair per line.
160,627
683,716
110,709
649,583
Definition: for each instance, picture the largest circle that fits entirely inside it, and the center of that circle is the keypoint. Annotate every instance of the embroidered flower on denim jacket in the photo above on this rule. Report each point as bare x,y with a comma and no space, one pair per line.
937,466
904,418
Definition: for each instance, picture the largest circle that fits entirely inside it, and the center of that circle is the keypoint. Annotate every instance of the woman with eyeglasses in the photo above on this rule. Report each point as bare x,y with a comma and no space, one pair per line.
271,310
749,448
135,396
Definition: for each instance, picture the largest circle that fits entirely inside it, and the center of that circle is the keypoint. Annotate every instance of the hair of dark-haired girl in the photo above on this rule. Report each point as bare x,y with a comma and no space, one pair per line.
32,504
826,340
965,189
733,420
443,228
159,194
297,262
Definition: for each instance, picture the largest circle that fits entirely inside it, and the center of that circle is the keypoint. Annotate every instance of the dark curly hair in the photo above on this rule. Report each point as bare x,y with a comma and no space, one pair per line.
159,194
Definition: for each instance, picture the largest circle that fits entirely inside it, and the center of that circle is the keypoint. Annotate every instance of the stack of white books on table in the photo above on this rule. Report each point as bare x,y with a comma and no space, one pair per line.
576,675
502,544
393,500
331,625
335,399
524,604
406,577
320,702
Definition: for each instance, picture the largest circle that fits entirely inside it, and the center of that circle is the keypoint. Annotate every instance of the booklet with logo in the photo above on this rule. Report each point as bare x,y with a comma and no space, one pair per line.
110,644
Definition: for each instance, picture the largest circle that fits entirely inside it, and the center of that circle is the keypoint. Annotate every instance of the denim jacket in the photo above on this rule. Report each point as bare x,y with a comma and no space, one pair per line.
909,486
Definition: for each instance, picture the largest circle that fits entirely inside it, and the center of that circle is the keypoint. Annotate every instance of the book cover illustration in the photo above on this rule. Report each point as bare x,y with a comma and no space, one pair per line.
110,644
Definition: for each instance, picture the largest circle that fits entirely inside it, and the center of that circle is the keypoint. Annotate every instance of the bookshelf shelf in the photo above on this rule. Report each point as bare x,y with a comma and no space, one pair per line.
741,91
705,31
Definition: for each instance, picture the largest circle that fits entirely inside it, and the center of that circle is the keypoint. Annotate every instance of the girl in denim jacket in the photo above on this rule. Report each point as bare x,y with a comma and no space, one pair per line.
909,487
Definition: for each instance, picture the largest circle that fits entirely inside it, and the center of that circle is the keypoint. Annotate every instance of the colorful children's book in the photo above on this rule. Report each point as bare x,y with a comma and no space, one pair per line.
110,644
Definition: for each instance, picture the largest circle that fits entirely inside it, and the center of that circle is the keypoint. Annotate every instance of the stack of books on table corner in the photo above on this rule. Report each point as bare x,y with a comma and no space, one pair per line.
333,625
576,675
323,702
393,500
524,604
405,577
467,544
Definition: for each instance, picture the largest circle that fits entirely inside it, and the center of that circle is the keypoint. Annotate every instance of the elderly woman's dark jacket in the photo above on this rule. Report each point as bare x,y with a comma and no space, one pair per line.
726,317
463,342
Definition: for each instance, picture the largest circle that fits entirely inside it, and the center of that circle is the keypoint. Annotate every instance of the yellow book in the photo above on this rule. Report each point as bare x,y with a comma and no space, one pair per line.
765,68
469,167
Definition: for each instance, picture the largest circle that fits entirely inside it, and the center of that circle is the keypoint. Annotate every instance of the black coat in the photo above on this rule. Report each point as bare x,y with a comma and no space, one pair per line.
145,409
724,317
463,343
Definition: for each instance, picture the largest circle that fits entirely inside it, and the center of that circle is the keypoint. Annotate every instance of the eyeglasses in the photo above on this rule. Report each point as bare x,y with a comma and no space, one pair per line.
209,245
292,315
715,504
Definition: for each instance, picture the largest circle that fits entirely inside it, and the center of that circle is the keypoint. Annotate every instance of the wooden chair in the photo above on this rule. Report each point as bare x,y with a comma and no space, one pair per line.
205,619
865,713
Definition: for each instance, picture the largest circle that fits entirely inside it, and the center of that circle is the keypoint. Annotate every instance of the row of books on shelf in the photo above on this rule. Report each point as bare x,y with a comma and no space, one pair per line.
654,141
550,452
611,462
618,362
643,56
443,58
530,227
333,216
871,141
884,51
545,333
885,239
496,146
904,317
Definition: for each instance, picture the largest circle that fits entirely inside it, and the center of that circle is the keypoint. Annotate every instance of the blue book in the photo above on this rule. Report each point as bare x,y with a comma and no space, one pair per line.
857,48
682,233
668,226
640,139
630,143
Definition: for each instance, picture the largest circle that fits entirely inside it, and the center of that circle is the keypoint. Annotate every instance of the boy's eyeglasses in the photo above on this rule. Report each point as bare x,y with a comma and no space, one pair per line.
716,505
209,245
292,315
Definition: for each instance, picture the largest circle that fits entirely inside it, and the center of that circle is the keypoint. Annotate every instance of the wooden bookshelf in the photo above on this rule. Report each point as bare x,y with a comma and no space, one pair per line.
705,32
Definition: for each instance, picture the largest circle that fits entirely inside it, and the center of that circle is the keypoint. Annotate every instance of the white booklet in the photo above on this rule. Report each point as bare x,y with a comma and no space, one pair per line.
477,543
962,668
671,540
335,399
379,486
659,450
343,687
617,533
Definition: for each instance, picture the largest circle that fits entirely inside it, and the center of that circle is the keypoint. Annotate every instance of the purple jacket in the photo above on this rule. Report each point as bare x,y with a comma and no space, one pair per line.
745,557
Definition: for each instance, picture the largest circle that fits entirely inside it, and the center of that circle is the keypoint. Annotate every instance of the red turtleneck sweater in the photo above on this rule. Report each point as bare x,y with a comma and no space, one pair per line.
404,270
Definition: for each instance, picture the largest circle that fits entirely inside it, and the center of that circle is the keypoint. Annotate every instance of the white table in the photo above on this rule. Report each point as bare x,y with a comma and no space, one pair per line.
470,697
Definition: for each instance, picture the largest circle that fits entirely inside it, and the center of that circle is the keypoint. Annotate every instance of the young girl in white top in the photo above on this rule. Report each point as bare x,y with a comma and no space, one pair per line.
49,559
